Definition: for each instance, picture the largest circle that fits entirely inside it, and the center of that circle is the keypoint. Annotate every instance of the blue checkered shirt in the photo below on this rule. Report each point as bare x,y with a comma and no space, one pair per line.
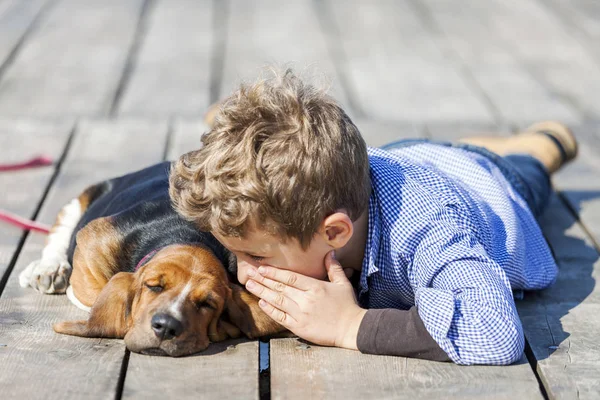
449,234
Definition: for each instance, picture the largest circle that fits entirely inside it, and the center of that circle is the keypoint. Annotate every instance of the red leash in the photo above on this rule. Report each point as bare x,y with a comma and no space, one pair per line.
40,161
13,219
23,223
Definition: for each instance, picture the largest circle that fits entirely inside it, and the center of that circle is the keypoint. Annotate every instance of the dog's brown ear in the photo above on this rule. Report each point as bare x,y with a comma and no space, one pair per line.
218,329
245,313
110,316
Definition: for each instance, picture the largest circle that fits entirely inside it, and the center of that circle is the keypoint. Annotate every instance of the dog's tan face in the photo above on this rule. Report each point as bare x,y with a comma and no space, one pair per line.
178,300
171,306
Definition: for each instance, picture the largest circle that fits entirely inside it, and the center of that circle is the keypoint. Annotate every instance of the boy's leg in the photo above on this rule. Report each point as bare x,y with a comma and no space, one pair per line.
535,178
551,143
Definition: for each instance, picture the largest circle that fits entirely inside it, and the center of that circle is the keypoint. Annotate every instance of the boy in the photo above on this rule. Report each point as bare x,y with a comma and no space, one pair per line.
438,235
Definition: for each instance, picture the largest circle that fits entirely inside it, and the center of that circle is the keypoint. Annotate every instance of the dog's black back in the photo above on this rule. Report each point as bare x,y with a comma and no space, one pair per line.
140,209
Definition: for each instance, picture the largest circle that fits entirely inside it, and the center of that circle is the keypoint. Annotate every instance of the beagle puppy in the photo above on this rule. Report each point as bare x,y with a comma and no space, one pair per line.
143,272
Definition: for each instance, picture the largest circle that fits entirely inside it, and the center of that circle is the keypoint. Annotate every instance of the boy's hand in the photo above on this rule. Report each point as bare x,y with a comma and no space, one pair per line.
321,312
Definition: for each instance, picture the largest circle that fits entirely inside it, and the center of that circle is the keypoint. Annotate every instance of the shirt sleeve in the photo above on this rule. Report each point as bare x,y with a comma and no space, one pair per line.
397,333
464,297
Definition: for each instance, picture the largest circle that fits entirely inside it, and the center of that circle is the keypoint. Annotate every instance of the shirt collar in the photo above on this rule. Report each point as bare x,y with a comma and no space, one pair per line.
372,244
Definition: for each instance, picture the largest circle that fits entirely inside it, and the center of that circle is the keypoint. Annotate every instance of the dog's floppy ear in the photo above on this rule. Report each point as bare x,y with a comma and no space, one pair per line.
245,313
110,316
218,329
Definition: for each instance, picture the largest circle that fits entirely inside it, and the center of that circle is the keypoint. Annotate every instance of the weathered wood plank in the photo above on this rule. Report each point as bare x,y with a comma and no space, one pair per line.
484,41
397,70
265,33
338,373
580,16
581,19
580,182
378,133
228,369
72,63
225,370
171,75
35,362
22,190
186,137
454,132
16,19
561,323
541,42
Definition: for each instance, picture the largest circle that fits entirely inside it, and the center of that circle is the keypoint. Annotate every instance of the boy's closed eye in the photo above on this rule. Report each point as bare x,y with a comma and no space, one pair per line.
255,258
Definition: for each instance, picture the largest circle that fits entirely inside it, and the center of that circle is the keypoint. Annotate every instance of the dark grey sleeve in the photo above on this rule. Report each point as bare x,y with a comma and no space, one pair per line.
397,333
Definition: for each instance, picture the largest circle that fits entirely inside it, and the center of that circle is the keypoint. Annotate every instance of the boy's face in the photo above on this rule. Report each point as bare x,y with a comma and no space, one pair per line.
259,248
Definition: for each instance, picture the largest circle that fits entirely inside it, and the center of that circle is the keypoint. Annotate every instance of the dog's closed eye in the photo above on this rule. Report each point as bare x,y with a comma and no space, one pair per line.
156,288
203,304
208,302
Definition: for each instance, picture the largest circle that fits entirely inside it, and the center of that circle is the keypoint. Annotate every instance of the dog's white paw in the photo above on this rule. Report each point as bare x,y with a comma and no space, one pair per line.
47,276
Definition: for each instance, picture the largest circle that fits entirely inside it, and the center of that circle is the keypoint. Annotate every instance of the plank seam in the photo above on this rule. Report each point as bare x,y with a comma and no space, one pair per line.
331,34
169,138
26,34
534,368
545,386
132,55
264,374
567,203
220,13
57,170
122,375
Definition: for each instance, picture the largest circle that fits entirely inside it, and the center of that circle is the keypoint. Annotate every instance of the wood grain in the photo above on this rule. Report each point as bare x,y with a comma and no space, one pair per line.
300,371
171,73
395,68
71,64
489,44
225,370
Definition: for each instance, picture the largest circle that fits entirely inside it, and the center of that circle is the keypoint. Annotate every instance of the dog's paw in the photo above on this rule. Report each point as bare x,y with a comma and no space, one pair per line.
48,276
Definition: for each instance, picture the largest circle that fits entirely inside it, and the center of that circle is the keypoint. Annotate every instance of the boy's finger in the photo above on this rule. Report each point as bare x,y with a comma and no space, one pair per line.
335,272
283,318
288,278
291,292
274,298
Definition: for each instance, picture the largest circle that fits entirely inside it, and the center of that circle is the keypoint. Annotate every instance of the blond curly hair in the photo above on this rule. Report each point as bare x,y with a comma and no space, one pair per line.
281,156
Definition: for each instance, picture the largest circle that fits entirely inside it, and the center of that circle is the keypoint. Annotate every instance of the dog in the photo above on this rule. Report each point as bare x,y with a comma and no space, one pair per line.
144,273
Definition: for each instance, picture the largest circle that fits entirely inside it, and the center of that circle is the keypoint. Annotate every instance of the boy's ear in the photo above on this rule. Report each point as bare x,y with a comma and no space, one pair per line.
245,313
337,229
110,316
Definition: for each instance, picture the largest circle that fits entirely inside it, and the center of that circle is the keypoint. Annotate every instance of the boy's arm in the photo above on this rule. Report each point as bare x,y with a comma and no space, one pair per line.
464,297
397,333
326,313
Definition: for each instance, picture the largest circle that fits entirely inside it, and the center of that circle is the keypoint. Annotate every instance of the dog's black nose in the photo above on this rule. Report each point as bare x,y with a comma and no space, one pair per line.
166,327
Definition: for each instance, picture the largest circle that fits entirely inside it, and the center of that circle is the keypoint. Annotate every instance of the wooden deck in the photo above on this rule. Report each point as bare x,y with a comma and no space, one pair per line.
109,86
